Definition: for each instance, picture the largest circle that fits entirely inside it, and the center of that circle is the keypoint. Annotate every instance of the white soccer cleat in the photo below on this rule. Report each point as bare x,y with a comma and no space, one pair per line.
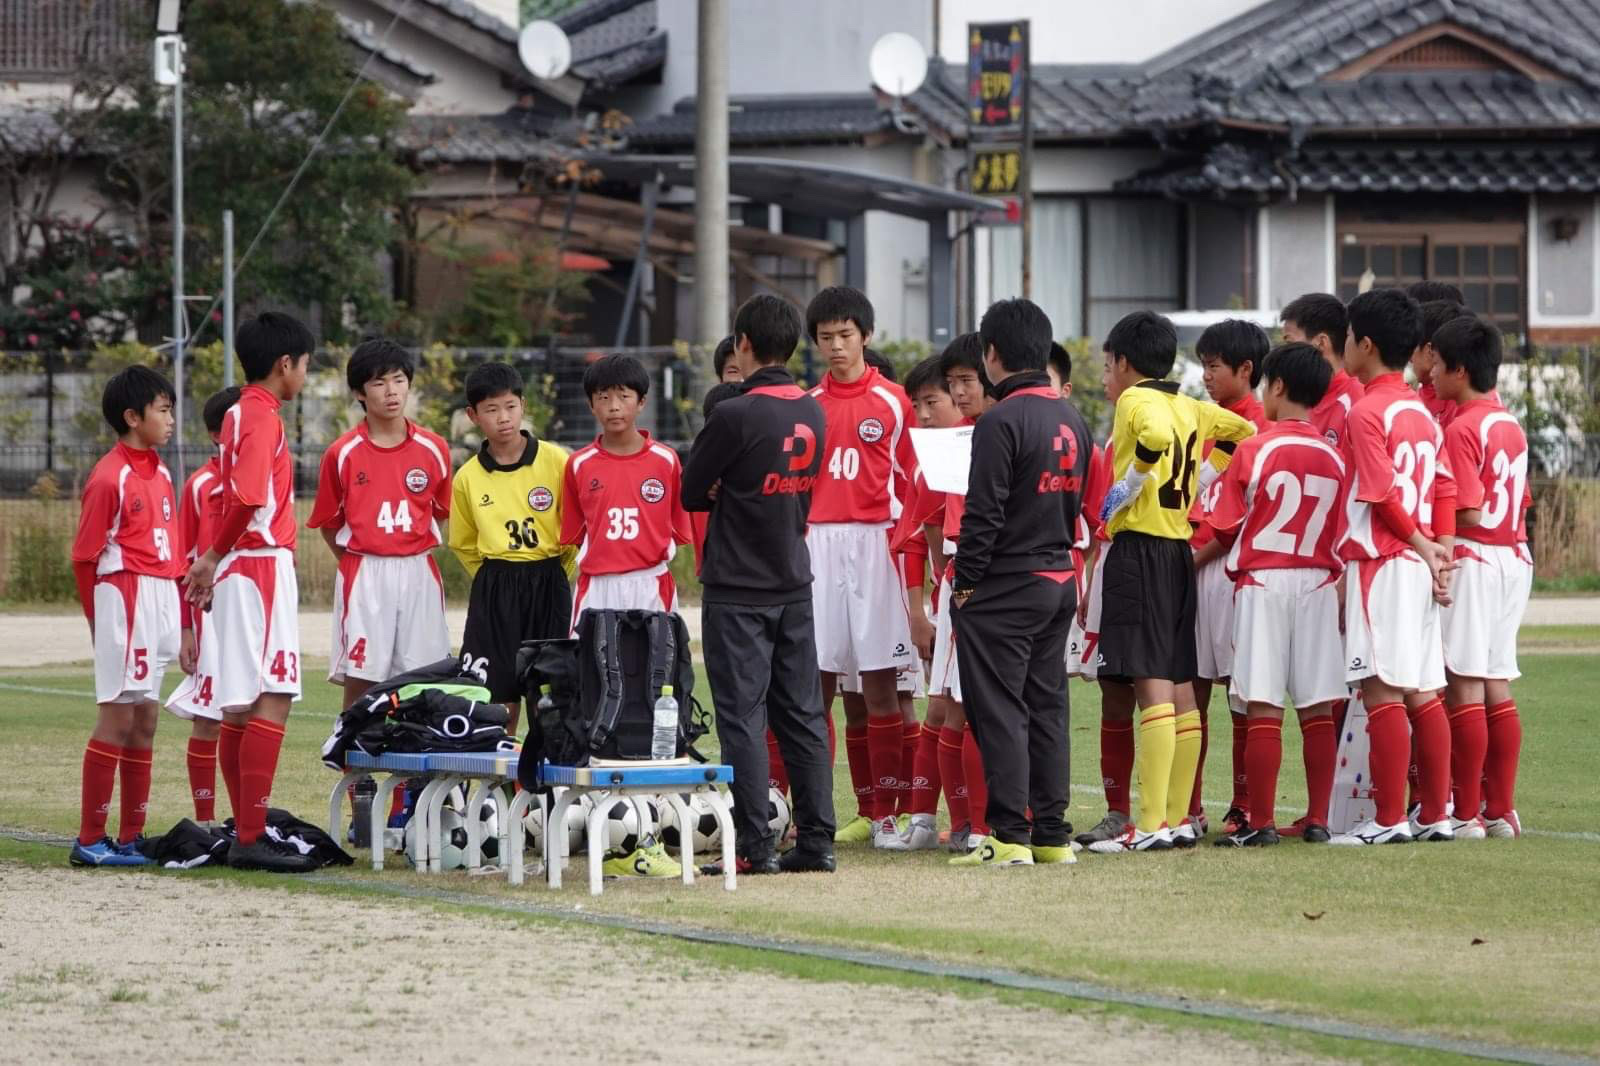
922,834
886,835
1472,829
1370,832
1506,828
1132,839
1433,832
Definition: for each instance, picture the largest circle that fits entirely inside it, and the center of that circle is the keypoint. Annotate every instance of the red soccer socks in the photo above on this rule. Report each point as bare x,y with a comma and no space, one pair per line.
1263,756
1116,762
1430,733
258,763
1469,745
228,741
885,742
1505,748
135,765
953,776
1389,741
202,762
1319,748
857,755
99,780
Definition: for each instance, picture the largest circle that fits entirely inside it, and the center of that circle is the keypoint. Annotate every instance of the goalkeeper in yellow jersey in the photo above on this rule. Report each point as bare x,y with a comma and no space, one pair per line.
1148,591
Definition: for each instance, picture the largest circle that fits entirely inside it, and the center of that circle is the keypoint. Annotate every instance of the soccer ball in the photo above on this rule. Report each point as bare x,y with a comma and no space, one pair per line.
622,826
777,813
649,815
453,834
707,830
533,823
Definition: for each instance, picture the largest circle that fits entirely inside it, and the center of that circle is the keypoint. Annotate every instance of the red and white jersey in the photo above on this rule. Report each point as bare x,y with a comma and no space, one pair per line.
1329,417
129,519
258,471
1282,495
867,457
1250,409
624,511
923,506
1095,487
199,509
1441,409
1488,455
384,500
1392,446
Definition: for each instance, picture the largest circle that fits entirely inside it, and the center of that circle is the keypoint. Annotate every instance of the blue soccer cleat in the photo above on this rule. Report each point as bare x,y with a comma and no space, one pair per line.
105,852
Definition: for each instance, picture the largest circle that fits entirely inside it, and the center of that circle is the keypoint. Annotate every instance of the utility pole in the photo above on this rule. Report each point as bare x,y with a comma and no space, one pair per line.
711,174
179,318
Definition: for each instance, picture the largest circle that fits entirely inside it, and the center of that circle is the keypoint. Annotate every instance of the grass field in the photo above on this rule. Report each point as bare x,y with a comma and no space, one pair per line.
1494,941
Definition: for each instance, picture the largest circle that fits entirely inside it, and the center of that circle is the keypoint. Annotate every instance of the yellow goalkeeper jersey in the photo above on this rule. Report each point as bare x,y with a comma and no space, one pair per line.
509,512
1157,425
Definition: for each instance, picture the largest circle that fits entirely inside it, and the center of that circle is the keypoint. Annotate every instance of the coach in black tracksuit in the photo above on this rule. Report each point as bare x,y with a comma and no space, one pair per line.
1014,593
752,467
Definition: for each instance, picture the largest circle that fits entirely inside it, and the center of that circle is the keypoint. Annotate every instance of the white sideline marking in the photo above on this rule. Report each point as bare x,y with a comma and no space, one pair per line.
7,686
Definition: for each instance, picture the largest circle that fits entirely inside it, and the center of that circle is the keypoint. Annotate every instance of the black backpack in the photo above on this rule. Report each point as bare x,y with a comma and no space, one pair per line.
603,690
436,708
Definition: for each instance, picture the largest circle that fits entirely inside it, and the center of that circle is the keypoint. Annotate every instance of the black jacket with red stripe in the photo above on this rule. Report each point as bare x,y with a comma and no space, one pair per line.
1030,456
765,447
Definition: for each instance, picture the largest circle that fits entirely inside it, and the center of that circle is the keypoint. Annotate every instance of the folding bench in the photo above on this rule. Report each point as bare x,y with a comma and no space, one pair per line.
610,781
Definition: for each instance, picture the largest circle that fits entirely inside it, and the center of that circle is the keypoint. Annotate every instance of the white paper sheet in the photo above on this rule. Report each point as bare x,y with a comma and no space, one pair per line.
945,456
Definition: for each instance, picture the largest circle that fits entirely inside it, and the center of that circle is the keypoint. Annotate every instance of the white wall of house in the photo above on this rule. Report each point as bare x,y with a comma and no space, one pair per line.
1563,275
465,85
1293,249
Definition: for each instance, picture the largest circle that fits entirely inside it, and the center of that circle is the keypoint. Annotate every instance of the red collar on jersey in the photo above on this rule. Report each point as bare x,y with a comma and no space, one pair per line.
143,460
1389,379
262,396
834,387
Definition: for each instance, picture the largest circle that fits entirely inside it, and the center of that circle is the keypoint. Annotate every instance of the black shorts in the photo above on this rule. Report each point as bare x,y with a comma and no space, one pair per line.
512,602
1147,610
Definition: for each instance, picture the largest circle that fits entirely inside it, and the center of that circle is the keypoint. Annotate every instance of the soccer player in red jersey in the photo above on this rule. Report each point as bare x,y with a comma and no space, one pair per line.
199,510
249,676
383,488
858,598
628,516
1231,351
126,564
1488,454
1400,511
1435,313
1321,320
1276,512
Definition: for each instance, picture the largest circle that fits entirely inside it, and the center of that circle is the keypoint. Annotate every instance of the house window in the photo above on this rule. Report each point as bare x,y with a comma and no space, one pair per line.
1486,262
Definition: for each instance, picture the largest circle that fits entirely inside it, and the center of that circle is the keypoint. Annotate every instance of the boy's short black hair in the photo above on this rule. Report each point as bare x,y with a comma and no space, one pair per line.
1468,341
616,372
1392,319
1319,312
1019,332
880,362
928,374
488,380
1233,342
720,357
377,357
772,326
263,340
965,352
1061,359
839,303
133,388
217,406
1423,291
1301,368
1148,341
723,390
1436,313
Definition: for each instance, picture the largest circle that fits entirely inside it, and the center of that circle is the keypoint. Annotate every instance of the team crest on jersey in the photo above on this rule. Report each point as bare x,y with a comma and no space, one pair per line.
138,504
871,430
166,509
653,490
417,479
541,498
1333,438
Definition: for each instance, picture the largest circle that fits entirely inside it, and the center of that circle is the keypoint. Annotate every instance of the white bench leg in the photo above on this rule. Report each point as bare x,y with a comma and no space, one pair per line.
378,819
336,803
502,821
685,834
555,836
435,824
596,837
475,800
515,813
719,803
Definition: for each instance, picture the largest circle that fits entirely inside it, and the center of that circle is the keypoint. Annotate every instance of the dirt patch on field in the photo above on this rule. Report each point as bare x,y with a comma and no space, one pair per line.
96,963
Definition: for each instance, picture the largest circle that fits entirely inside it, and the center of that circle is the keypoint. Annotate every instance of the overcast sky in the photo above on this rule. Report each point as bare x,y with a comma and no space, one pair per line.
1089,31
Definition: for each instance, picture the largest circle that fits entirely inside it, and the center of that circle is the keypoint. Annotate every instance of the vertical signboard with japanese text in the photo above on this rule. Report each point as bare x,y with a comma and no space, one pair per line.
999,125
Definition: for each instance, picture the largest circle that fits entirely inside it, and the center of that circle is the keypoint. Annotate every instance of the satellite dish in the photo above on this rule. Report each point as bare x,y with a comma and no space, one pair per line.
898,64
545,49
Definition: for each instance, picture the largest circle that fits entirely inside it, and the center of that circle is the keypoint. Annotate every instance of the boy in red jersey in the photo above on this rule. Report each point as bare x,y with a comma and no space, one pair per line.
383,488
249,676
1435,313
126,565
624,509
1488,454
1232,352
1321,321
1276,514
198,511
1400,511
858,597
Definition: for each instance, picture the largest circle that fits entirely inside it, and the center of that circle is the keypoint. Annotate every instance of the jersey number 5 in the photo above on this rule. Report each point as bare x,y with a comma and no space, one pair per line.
1178,492
524,534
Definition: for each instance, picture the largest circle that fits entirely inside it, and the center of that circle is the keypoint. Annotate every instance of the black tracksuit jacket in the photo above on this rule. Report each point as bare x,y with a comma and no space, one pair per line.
764,446
1030,455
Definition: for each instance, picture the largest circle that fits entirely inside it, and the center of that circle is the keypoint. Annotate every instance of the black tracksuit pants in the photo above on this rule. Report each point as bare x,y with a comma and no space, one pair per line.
1011,642
762,665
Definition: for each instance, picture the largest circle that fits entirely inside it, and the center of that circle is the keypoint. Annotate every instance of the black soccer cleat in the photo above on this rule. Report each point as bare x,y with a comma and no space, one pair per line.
1250,838
1313,833
806,861
270,855
1235,820
741,865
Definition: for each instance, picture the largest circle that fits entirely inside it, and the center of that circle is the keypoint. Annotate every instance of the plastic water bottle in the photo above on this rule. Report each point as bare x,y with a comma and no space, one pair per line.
361,812
545,703
664,738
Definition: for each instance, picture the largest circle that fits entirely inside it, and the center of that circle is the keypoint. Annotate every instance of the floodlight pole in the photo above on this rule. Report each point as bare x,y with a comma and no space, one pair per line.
178,318
711,174
227,299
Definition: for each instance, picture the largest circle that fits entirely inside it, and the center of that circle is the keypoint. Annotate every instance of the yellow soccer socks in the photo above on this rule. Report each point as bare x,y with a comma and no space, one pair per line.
1185,761
1157,740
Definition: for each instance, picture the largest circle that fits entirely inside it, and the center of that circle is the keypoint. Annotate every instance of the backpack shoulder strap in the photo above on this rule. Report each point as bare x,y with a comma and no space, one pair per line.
608,665
663,654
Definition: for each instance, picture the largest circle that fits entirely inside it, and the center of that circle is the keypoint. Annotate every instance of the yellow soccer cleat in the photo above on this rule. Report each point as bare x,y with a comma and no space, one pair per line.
1048,855
857,830
650,861
994,852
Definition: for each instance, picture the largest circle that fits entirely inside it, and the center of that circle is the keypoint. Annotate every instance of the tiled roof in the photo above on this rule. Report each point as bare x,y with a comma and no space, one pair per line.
357,34
470,12
771,120
614,40
1380,167
470,139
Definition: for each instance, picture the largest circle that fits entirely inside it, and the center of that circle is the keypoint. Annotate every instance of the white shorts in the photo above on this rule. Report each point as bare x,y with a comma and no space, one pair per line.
909,681
252,640
1392,624
944,679
858,600
1286,638
635,590
1213,620
1489,592
137,632
1083,641
388,617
